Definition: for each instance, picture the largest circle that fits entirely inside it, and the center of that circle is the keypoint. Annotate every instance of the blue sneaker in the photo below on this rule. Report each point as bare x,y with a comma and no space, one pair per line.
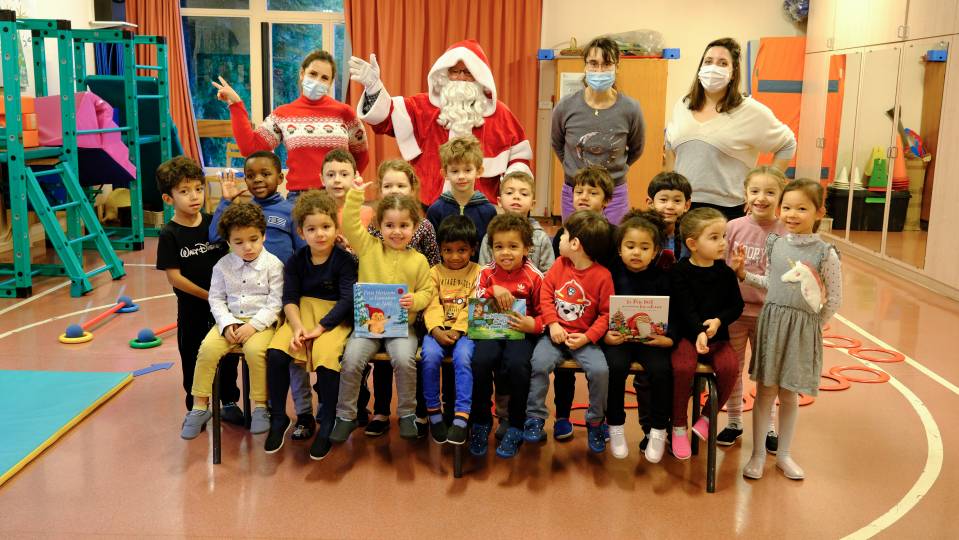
605,432
511,442
533,430
479,439
562,429
594,437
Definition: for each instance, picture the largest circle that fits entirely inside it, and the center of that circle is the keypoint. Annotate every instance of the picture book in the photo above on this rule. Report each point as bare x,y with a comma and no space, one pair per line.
638,318
487,321
377,312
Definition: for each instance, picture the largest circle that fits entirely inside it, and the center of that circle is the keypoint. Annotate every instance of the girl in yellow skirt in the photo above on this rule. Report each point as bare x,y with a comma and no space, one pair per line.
318,304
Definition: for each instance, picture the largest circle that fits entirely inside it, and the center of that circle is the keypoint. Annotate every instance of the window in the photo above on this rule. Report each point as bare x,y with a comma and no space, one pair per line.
249,43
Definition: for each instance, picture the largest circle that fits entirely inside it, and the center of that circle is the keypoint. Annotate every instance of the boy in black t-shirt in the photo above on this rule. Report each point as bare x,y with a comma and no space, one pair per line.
186,254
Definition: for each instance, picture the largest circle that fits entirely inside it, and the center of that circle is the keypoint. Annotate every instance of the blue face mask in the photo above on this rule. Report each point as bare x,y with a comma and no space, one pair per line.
600,80
314,89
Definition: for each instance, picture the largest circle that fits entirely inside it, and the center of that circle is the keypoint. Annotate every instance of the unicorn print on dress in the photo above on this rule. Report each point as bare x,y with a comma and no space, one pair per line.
810,285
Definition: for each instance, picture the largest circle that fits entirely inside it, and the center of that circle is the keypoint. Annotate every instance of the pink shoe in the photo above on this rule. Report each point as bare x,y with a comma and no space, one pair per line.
680,446
701,428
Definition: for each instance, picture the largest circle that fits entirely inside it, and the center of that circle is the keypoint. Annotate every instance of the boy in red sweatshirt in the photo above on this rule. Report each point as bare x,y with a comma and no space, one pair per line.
574,299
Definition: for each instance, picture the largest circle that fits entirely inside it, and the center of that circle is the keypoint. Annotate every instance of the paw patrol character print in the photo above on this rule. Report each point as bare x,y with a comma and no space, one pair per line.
571,301
376,324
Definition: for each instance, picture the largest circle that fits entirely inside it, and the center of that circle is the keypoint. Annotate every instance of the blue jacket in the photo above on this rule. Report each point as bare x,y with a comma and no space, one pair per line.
478,209
281,237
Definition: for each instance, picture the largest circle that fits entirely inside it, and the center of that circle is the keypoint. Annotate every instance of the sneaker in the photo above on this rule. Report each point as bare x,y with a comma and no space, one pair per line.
194,421
728,436
533,430
754,467
260,422
479,439
501,428
279,425
605,428
232,414
456,435
772,442
377,427
408,428
512,441
320,448
422,428
701,428
680,446
617,438
656,446
595,438
305,425
342,429
438,432
790,468
562,429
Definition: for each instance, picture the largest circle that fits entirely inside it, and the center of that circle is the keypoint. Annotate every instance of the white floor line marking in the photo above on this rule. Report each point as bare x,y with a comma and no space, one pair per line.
929,473
34,297
926,371
81,312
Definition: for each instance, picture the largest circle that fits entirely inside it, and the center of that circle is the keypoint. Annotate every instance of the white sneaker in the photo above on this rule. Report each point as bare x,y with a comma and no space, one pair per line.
656,446
617,442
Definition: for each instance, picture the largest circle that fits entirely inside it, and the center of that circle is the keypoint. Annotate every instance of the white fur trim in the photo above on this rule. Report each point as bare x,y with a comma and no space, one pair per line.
519,166
478,69
500,163
523,150
403,130
496,165
378,112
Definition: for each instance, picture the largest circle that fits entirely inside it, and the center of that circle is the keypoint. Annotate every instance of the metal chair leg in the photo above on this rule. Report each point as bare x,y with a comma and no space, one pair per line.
247,411
711,448
458,461
697,392
215,403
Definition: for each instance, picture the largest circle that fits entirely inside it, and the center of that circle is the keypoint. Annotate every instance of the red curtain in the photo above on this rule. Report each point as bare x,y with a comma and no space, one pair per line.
409,35
162,18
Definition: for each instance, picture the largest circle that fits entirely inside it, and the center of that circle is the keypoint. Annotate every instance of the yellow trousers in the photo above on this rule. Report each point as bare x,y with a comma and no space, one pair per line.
215,346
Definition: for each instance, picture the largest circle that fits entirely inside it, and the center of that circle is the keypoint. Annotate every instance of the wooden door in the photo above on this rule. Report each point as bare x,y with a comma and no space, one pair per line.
643,79
820,25
859,24
813,118
930,18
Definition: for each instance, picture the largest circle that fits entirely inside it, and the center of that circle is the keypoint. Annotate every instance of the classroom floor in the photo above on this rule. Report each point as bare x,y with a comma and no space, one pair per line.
880,458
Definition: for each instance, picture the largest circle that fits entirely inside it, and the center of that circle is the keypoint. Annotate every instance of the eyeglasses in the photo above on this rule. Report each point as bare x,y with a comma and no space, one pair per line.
593,65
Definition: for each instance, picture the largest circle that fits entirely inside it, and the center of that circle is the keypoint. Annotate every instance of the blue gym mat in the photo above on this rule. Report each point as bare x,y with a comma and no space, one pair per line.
40,406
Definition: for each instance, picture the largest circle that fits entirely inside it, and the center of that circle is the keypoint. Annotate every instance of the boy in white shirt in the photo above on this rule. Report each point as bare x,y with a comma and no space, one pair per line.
245,298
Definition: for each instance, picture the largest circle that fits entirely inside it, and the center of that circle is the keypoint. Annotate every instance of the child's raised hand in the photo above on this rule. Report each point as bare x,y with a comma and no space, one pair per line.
406,301
359,183
614,338
557,334
659,341
229,185
712,326
576,340
702,343
225,92
522,323
504,299
739,261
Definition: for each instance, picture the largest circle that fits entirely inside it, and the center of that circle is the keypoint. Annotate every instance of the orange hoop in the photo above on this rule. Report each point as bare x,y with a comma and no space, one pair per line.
853,343
895,356
842,383
881,375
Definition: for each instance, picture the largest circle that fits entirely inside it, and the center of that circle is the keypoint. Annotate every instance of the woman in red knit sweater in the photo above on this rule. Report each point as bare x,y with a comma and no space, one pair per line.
310,127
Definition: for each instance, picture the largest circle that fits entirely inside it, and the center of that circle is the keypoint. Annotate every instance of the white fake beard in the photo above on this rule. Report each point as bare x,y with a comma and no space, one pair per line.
461,107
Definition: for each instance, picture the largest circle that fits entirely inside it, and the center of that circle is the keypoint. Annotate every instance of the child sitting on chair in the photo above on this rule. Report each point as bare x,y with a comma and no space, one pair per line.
245,297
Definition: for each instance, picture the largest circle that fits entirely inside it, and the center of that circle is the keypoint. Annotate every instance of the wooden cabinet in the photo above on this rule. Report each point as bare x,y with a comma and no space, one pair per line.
813,117
930,18
859,23
643,79
820,25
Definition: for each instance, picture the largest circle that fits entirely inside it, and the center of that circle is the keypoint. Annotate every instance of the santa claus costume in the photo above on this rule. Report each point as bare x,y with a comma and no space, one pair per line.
420,125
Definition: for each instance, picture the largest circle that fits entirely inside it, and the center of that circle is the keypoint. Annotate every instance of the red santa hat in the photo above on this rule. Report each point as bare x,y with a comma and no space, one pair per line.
373,310
572,293
471,54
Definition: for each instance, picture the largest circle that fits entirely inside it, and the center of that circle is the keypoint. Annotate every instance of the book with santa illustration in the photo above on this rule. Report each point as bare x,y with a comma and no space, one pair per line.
638,318
377,312
488,321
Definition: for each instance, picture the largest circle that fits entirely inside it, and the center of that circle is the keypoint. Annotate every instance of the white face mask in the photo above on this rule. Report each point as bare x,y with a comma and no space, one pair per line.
314,89
714,78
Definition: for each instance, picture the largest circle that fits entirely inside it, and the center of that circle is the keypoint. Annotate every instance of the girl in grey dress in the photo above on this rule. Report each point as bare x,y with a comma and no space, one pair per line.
804,288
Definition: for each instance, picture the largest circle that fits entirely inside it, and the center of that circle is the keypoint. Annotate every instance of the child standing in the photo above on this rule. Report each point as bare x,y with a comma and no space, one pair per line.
339,172
510,276
575,302
447,321
263,175
764,187
187,255
787,359
245,297
318,303
707,301
462,162
384,261
639,240
669,193
396,177
516,196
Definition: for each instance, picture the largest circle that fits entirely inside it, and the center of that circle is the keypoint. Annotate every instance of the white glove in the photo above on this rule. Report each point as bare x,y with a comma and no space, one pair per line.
366,73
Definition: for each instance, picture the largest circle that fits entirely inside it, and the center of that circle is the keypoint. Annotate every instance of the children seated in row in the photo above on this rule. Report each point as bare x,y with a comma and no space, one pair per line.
245,298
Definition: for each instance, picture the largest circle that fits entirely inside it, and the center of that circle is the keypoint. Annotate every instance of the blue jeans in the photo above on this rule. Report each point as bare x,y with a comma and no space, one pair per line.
547,355
432,358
